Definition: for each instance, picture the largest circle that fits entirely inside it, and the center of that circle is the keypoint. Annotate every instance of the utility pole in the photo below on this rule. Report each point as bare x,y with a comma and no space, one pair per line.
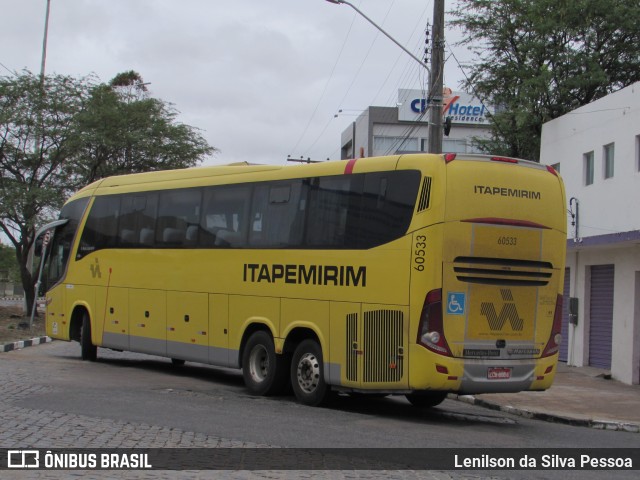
434,97
435,79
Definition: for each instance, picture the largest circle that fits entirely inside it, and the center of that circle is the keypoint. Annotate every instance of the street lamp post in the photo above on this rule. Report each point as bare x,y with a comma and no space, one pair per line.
44,41
435,72
339,2
36,152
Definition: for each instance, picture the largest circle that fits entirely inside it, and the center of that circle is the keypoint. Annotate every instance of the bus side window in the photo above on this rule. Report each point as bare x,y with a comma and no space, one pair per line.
146,220
177,210
387,206
225,217
277,214
136,220
101,226
332,213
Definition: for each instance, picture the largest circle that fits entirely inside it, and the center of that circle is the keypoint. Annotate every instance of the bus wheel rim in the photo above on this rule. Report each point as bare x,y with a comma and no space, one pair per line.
308,373
259,364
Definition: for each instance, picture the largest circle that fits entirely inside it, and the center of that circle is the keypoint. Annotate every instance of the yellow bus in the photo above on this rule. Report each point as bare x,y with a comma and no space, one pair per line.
418,275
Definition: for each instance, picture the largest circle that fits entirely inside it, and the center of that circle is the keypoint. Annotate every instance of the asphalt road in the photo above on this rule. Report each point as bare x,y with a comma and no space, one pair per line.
50,398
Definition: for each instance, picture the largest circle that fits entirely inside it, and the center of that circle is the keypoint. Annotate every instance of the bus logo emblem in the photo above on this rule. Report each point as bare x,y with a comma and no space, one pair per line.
455,303
508,312
95,269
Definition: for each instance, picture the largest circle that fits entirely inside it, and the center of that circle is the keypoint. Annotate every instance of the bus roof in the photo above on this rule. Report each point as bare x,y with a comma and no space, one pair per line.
244,171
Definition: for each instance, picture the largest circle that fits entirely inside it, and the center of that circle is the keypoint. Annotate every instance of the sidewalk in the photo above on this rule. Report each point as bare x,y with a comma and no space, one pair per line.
580,396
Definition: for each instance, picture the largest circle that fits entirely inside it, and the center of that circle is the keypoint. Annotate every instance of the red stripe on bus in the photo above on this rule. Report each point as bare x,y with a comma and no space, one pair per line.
348,170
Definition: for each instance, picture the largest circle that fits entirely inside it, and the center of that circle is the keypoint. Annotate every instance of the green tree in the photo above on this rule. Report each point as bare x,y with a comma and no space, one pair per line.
8,265
36,125
60,133
539,59
122,130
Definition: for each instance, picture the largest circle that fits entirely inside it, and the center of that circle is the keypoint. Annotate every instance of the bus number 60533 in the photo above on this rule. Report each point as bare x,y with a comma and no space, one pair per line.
419,257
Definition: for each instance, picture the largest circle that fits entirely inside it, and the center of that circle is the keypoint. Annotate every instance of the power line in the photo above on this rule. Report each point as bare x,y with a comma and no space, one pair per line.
344,43
355,77
12,72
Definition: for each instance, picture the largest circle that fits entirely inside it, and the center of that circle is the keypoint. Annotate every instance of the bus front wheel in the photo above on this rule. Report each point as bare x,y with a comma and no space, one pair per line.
88,350
264,372
307,374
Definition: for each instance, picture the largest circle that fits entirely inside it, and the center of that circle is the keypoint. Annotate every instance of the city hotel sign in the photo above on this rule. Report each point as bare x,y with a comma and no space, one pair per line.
461,107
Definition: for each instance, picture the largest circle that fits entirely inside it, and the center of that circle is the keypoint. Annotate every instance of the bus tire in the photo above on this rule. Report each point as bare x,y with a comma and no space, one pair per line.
307,374
88,350
264,372
426,399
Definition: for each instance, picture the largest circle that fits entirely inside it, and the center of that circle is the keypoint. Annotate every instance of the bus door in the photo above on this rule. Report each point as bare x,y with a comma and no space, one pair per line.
56,324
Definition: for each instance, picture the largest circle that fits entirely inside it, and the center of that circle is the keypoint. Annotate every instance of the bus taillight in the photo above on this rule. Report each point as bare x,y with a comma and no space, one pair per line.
430,330
504,159
553,345
550,169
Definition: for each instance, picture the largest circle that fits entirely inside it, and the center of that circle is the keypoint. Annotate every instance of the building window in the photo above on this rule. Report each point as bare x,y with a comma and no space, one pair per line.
457,145
392,145
588,168
608,154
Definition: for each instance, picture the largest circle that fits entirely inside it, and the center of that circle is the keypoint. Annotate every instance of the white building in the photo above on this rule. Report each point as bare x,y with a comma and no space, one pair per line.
596,148
382,131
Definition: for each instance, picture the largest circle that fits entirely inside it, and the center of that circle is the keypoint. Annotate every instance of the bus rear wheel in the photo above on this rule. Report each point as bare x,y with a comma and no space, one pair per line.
307,374
264,372
88,351
426,399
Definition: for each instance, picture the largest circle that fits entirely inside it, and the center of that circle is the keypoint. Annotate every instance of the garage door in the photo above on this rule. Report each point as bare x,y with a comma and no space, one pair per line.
601,321
564,344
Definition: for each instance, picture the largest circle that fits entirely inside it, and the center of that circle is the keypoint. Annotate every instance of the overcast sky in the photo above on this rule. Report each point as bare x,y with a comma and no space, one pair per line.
261,79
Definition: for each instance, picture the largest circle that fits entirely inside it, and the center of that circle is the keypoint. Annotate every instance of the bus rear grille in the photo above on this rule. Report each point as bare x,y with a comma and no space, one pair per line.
425,194
352,341
503,271
383,346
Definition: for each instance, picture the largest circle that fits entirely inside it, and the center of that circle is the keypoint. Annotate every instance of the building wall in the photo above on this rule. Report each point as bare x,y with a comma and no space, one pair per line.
607,222
383,122
604,205
625,362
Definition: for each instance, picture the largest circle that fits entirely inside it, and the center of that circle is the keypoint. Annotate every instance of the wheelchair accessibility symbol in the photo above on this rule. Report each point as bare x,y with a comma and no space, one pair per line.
456,303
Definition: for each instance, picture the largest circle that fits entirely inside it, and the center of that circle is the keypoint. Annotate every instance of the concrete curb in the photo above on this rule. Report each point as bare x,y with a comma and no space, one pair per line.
23,344
551,417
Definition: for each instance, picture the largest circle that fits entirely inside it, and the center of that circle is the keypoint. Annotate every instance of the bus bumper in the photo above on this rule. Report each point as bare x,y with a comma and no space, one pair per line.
474,376
487,376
